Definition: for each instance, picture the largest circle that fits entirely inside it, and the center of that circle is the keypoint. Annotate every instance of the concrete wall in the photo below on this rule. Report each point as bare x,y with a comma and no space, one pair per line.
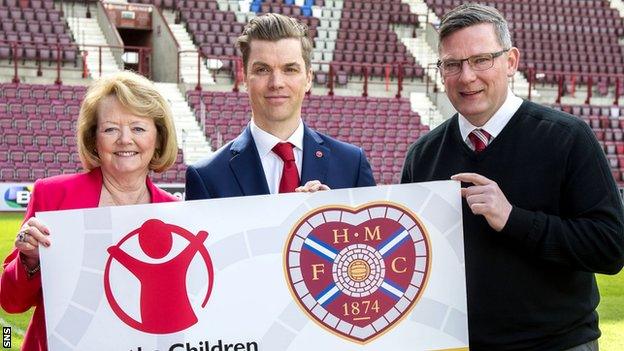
443,104
164,58
438,98
110,33
431,36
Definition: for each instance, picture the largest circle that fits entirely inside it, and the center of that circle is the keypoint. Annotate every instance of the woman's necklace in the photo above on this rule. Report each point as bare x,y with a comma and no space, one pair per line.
141,198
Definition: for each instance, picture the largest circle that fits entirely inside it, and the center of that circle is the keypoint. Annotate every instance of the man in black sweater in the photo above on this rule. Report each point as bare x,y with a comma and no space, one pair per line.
541,213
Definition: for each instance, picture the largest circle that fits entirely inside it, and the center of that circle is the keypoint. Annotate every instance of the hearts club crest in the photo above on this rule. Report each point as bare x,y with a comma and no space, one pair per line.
358,272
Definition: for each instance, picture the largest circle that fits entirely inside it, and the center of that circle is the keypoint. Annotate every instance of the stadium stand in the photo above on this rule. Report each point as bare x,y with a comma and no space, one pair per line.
607,123
38,130
214,31
365,36
359,33
569,36
573,39
35,30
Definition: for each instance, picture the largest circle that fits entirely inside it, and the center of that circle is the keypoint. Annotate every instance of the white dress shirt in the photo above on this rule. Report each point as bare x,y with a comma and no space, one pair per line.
271,163
496,124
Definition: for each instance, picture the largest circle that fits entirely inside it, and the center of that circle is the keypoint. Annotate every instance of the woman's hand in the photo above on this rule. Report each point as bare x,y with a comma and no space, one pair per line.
32,233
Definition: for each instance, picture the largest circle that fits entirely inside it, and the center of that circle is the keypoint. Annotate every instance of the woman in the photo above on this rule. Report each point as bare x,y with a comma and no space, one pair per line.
124,130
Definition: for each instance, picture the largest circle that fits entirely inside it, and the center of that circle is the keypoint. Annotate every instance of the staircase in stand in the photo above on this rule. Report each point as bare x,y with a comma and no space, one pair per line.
190,135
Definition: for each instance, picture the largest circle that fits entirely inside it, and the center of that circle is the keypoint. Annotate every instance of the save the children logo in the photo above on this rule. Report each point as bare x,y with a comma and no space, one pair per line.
358,272
161,303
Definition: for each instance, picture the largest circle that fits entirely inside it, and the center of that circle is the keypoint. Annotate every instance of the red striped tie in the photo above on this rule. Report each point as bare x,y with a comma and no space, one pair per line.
290,175
480,139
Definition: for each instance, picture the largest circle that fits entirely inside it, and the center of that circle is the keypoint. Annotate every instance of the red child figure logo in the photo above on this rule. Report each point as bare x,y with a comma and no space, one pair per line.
164,302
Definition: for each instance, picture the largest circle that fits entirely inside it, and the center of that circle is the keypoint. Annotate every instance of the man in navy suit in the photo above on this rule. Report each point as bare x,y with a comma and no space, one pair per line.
276,54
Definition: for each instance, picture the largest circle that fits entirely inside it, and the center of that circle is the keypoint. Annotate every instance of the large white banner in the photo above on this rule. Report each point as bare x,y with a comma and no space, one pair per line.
378,268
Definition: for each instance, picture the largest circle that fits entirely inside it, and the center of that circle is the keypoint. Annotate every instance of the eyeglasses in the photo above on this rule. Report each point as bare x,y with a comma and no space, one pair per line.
479,62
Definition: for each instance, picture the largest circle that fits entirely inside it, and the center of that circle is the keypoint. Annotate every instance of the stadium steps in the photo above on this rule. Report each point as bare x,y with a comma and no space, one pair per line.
429,114
325,41
76,9
241,9
420,8
188,61
424,55
520,86
233,5
88,32
190,136
618,5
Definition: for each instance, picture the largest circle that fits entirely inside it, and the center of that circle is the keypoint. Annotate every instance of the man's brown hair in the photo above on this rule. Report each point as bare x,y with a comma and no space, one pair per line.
274,27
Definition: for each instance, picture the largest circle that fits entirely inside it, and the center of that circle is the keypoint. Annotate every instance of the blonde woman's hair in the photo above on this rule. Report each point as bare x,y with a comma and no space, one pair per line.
137,94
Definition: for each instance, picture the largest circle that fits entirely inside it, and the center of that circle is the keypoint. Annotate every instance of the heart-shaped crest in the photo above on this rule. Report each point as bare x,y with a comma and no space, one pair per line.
358,272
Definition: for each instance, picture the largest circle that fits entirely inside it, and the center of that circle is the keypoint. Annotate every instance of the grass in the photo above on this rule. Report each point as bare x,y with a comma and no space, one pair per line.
611,311
9,224
611,307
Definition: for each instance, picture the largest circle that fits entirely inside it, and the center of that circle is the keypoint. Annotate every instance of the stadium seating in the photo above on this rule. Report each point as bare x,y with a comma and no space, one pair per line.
38,29
215,31
365,36
361,34
607,123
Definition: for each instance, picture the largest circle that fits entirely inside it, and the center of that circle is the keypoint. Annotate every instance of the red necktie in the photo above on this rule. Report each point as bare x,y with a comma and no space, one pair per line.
290,175
480,139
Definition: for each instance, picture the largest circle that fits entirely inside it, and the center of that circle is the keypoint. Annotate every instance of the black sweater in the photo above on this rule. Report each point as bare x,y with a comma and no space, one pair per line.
532,286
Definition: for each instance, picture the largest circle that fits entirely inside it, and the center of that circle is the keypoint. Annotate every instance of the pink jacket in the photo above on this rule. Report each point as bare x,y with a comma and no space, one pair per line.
64,192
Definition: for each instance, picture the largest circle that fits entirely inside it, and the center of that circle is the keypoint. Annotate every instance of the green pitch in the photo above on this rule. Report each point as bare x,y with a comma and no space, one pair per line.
611,311
9,224
611,307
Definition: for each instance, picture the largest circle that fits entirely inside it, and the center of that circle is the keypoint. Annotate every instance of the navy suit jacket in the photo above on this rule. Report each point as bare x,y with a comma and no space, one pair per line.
236,169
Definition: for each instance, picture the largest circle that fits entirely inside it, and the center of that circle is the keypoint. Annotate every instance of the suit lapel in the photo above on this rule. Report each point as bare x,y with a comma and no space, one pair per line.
315,157
246,165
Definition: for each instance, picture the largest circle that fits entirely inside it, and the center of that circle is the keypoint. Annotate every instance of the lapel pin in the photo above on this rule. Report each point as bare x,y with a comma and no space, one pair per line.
319,154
